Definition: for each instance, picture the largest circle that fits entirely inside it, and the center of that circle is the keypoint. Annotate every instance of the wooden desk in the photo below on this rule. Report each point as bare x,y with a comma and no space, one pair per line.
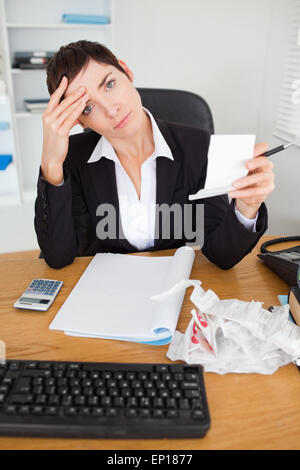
248,411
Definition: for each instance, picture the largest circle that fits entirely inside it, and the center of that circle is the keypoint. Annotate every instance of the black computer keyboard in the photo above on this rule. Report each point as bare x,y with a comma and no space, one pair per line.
102,400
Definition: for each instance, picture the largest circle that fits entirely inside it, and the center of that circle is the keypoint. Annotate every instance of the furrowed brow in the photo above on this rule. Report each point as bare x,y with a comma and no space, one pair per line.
102,83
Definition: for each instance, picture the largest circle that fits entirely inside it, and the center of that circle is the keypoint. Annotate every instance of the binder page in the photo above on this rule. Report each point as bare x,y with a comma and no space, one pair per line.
167,311
112,299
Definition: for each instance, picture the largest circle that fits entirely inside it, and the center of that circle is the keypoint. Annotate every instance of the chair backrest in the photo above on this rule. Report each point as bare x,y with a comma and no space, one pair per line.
179,106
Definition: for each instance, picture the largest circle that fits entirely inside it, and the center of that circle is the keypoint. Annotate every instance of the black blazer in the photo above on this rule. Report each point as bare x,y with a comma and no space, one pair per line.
65,216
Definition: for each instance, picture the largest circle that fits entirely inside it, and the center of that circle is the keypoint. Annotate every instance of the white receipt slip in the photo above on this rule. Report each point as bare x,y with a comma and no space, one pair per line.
112,299
235,336
227,156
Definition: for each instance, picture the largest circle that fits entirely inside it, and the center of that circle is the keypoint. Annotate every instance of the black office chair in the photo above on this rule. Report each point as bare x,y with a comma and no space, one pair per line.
176,106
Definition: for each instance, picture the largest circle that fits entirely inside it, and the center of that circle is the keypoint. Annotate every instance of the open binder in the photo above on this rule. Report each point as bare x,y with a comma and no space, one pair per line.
112,299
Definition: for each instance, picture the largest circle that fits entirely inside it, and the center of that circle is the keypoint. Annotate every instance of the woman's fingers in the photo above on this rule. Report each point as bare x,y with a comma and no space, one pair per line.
253,192
70,110
71,120
263,163
255,178
72,98
260,149
57,94
56,107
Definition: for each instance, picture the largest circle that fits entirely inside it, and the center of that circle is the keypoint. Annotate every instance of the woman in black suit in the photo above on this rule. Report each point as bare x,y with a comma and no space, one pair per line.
129,162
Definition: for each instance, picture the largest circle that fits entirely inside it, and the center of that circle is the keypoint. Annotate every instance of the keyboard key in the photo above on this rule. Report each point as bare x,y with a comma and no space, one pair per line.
93,401
158,403
24,410
97,412
197,404
20,398
41,400
51,411
145,402
192,394
23,385
189,385
197,414
85,412
162,368
171,403
80,401
172,414
10,409
54,400
112,412
71,411
184,404
14,366
119,402
37,410
131,413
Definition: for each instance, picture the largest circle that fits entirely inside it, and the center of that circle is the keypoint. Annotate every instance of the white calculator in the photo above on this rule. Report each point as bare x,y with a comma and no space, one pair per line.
39,295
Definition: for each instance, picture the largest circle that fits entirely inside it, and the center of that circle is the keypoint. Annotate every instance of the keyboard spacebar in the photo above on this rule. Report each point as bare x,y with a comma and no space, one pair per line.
112,367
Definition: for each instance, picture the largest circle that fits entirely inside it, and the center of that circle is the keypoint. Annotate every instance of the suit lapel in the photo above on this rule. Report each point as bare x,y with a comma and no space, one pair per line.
166,177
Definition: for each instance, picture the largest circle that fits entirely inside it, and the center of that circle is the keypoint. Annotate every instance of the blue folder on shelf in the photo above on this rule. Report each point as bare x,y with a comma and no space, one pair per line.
5,161
4,125
85,19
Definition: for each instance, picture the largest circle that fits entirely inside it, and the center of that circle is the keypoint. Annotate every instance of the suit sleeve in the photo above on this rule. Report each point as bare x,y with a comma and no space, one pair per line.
226,240
62,222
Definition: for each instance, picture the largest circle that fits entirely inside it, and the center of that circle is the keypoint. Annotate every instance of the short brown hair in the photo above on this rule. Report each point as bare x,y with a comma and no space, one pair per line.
70,59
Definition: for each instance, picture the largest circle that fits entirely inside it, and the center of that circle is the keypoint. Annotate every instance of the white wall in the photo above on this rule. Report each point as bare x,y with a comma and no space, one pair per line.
232,53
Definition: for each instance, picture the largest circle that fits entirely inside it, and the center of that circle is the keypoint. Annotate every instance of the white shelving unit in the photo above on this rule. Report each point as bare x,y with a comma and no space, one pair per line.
33,25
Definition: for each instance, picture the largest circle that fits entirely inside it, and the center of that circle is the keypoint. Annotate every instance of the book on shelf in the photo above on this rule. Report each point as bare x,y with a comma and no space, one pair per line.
32,59
36,105
32,66
294,302
26,54
85,19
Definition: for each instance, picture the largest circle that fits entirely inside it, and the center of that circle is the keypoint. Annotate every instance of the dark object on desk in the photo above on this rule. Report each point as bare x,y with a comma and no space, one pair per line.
102,400
286,263
294,302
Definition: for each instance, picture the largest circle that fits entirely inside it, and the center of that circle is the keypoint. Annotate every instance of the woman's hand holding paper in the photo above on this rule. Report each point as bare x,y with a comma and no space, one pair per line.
254,188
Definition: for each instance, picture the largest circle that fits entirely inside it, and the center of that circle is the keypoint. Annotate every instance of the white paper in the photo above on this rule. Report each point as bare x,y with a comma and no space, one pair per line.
227,155
112,299
236,336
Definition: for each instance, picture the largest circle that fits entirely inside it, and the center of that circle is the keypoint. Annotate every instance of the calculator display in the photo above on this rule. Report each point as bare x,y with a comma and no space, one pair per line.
30,300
